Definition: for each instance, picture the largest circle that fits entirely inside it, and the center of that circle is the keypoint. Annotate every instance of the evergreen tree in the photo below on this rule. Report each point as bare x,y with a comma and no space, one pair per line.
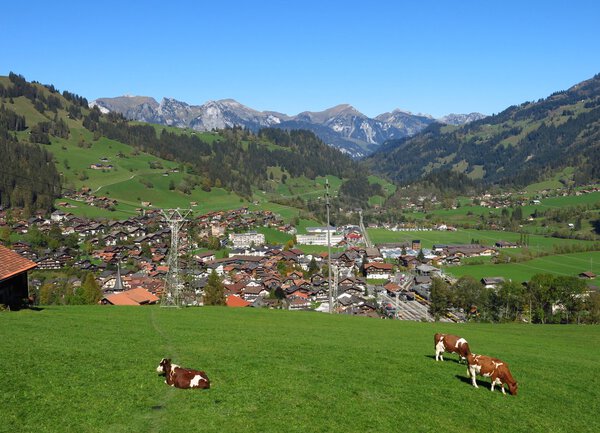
313,267
214,291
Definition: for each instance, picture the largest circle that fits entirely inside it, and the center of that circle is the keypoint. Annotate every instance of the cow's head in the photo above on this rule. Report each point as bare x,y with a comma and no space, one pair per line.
164,366
512,387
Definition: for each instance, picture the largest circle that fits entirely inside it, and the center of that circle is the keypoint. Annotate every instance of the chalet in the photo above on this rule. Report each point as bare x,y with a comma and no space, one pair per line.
58,216
373,254
350,282
298,303
391,288
426,270
422,280
13,278
319,294
234,288
588,275
505,244
252,291
205,257
317,280
354,290
469,250
492,282
378,270
49,263
408,261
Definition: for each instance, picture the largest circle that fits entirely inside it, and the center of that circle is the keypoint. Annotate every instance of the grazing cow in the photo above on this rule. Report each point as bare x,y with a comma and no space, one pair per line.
182,377
493,368
450,343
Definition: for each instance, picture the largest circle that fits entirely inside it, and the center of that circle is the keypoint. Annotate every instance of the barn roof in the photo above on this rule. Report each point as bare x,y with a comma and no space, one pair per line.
236,301
137,296
12,264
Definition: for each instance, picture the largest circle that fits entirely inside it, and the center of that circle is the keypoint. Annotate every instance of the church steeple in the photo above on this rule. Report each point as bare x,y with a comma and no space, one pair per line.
118,287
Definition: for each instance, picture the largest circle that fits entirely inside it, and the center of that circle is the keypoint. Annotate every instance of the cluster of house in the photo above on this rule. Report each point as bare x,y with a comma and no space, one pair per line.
240,220
130,260
86,196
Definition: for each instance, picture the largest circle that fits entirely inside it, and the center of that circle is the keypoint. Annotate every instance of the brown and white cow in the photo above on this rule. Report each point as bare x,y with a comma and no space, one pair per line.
450,343
182,377
493,368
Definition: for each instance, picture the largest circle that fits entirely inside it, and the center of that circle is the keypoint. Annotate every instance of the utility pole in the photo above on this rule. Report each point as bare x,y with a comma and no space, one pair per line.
173,284
329,284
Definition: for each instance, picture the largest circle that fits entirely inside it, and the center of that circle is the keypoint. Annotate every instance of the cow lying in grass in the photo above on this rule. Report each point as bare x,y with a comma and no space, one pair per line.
450,343
493,368
182,377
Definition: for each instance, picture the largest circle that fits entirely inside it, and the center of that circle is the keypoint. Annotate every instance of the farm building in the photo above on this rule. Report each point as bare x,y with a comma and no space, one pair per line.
14,287
137,296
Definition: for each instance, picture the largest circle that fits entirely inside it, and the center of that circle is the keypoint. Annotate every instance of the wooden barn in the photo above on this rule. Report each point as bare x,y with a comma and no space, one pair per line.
14,289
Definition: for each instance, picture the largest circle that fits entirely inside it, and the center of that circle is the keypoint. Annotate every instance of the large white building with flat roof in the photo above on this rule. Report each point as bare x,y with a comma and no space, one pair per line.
245,240
318,239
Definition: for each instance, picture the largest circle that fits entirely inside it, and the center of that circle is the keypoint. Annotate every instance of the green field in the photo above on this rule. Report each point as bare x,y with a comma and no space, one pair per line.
92,369
470,214
561,264
462,236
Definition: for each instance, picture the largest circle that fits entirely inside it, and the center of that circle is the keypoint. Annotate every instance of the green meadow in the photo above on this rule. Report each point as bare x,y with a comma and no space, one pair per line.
92,369
569,265
464,236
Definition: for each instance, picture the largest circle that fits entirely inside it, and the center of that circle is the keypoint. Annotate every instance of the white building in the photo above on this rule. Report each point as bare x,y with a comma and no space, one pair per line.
245,240
318,239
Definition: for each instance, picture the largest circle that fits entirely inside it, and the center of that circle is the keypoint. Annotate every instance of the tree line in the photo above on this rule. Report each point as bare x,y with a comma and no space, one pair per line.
546,298
238,160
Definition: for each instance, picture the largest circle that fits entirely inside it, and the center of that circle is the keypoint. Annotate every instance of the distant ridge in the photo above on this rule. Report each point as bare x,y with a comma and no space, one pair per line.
342,126
518,146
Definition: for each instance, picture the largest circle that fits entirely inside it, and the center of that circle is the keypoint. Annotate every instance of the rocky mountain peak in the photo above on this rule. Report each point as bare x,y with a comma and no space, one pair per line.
342,126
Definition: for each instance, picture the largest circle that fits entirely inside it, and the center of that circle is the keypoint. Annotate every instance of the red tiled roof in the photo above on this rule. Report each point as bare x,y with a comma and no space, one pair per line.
137,296
236,301
141,295
12,263
120,299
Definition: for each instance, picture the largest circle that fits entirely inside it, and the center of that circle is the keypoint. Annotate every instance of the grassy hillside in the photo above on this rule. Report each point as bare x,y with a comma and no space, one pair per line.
137,176
523,144
569,265
92,369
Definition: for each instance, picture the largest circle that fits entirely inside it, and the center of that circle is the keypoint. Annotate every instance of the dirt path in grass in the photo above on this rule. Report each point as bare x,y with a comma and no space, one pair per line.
112,183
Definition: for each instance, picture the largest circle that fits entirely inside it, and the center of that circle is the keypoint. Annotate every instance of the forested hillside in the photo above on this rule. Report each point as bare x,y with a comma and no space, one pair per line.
46,134
28,176
520,145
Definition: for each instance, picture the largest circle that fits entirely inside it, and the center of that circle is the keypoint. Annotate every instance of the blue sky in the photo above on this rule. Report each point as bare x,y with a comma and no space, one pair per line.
432,57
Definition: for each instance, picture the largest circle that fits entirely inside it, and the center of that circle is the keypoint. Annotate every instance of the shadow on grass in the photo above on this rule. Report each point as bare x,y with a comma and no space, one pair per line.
468,381
445,359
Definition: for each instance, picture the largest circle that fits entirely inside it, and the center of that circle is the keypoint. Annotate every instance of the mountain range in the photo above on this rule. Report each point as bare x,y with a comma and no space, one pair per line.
341,126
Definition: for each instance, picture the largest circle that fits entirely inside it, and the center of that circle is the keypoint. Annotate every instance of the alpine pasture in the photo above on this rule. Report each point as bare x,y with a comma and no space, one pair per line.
92,369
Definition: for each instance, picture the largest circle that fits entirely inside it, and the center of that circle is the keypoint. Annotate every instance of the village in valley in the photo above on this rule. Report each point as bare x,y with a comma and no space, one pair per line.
130,261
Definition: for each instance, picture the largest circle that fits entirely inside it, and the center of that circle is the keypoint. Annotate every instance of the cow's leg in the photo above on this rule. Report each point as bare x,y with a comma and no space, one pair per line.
502,388
472,373
493,384
439,351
